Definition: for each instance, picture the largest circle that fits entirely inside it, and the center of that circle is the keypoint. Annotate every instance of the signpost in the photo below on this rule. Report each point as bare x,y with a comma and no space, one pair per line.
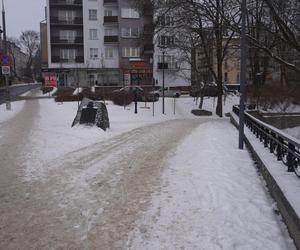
5,60
5,70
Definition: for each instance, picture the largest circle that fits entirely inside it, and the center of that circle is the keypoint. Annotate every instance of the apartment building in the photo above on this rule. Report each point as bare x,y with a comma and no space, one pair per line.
171,61
18,58
99,42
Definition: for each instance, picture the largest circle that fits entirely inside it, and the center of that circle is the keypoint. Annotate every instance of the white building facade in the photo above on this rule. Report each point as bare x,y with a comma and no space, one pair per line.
106,42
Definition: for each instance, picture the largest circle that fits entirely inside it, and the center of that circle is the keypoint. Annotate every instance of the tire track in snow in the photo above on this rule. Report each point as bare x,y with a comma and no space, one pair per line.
90,198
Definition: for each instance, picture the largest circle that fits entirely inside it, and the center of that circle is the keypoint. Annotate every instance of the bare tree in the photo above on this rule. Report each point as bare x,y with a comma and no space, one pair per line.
29,41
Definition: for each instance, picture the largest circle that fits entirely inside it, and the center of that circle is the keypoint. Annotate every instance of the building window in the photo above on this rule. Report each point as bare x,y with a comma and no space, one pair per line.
109,53
93,53
66,15
68,54
129,13
69,35
166,40
130,32
92,14
93,34
131,52
110,32
108,12
170,60
166,21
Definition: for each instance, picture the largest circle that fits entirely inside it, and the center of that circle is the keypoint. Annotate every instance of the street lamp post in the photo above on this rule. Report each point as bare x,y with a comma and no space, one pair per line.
242,76
163,51
163,90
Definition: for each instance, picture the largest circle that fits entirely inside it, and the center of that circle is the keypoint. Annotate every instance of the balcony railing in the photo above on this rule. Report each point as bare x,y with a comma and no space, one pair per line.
59,40
111,39
58,59
110,2
111,19
162,65
66,2
58,21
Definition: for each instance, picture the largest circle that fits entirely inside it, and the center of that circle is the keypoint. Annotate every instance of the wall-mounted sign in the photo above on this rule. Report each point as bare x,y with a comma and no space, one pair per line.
50,79
127,79
5,70
137,64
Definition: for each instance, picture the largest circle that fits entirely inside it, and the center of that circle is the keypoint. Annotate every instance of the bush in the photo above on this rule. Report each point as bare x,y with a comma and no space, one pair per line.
46,90
122,99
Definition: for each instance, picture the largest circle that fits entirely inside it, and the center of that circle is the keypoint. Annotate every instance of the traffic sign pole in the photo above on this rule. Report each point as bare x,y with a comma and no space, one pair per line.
8,104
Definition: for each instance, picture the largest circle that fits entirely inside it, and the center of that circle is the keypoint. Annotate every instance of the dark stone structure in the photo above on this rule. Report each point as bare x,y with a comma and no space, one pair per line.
92,113
201,112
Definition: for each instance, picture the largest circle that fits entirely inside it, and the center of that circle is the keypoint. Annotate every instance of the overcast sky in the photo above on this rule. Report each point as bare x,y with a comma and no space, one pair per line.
23,15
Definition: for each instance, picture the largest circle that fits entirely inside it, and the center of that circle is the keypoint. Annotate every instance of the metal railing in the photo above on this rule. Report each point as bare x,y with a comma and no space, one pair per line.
283,146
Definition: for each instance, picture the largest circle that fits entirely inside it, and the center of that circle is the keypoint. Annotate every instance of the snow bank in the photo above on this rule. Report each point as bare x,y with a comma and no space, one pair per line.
6,115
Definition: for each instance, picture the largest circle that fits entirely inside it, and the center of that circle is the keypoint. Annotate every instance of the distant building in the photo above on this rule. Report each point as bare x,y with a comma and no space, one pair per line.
177,65
98,42
18,58
269,69
107,42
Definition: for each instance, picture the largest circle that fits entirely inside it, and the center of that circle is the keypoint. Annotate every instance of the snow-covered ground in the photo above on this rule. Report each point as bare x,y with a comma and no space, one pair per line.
295,132
210,196
5,115
54,137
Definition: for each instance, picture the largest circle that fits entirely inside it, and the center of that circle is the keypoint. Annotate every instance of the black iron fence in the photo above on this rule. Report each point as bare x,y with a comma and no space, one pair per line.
283,146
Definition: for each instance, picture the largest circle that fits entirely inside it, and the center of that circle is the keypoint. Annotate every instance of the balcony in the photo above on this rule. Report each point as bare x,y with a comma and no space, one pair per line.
148,49
65,3
162,65
58,40
77,21
110,2
111,19
111,39
168,66
58,59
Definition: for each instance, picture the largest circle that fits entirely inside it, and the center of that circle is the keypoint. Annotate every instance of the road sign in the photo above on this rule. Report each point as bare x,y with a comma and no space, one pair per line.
5,70
127,79
5,60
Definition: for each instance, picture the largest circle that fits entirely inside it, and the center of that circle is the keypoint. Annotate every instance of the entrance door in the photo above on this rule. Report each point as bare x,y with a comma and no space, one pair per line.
135,79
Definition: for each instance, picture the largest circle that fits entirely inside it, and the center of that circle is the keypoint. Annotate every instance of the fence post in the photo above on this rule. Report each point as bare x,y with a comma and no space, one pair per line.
272,143
266,138
279,149
290,158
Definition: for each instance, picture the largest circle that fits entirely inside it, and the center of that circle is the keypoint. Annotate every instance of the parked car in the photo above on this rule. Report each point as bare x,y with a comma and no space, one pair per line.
142,96
130,89
167,92
209,89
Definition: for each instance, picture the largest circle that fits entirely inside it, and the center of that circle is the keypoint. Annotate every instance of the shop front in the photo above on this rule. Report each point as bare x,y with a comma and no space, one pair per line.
138,73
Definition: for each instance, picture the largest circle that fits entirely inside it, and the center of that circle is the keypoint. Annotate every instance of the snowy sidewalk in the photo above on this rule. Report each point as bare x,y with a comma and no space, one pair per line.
211,198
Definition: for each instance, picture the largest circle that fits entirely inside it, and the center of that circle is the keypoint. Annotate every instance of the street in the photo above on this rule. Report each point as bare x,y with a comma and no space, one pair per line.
89,198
